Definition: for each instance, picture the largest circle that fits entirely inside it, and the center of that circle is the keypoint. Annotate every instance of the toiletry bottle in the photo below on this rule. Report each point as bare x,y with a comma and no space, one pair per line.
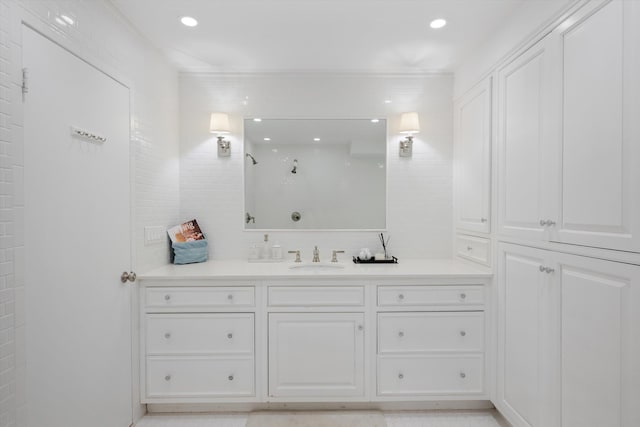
276,251
266,247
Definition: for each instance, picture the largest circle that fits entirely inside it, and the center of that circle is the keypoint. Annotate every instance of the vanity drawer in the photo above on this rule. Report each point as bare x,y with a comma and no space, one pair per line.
199,377
290,296
424,332
200,297
419,375
474,248
422,295
184,334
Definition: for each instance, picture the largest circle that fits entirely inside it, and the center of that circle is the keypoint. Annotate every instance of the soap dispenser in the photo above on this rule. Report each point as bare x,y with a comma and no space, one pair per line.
266,247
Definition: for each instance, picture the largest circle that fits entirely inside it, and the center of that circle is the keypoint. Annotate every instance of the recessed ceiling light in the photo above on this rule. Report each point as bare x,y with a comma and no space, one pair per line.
438,23
189,21
257,119
387,101
267,139
375,120
67,19
316,139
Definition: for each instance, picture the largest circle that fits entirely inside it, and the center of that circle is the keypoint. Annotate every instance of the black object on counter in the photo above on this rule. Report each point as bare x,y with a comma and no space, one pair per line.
392,260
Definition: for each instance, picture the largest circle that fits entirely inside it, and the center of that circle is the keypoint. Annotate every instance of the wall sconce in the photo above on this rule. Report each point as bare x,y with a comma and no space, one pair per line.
409,125
220,125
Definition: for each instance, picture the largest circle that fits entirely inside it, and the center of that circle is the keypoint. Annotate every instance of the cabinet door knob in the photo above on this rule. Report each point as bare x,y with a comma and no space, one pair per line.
167,378
463,295
401,334
463,333
400,376
230,377
230,297
167,297
463,375
469,248
400,296
551,223
230,335
543,222
167,335
483,220
360,327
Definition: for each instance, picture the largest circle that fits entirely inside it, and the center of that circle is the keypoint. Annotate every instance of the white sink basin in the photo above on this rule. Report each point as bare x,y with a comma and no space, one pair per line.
316,267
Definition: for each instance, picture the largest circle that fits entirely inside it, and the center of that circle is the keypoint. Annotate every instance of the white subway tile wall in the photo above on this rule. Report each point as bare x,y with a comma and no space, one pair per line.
101,36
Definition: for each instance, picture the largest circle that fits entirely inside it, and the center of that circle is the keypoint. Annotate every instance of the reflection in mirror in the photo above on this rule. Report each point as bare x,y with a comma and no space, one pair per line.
306,174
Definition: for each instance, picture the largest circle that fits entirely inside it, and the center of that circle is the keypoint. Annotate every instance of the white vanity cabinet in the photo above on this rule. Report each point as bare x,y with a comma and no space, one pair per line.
316,340
569,339
198,342
430,341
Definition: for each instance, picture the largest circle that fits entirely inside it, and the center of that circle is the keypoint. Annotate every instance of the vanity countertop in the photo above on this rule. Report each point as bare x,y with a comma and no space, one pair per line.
244,270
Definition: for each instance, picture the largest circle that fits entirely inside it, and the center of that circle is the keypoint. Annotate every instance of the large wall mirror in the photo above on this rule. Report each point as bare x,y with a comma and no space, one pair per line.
315,174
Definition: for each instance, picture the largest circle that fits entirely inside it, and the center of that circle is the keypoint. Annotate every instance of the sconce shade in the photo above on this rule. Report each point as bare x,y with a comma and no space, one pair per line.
409,123
219,123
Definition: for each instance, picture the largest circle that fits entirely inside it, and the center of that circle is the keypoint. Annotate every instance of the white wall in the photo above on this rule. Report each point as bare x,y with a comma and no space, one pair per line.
528,21
103,38
419,188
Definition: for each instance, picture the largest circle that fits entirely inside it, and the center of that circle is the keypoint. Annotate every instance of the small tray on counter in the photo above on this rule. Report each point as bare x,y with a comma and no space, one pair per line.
392,260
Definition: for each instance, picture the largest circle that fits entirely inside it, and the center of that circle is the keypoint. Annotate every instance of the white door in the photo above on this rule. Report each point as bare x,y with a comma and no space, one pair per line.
316,355
523,135
525,316
77,241
597,190
599,338
472,139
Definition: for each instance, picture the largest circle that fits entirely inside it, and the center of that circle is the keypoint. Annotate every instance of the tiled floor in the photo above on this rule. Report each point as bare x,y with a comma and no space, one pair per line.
394,419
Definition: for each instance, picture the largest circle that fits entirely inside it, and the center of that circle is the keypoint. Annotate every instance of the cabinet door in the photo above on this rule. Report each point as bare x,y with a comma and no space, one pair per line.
316,355
599,342
597,192
523,118
472,136
524,322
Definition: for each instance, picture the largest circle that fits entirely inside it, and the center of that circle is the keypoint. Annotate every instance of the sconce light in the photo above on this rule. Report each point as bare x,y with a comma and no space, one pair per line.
409,125
220,124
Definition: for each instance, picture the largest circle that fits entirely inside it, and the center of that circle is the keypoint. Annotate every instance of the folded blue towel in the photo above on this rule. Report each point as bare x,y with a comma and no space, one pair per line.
190,252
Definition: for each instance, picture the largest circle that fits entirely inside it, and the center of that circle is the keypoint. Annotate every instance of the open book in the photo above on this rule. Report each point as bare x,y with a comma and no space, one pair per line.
185,232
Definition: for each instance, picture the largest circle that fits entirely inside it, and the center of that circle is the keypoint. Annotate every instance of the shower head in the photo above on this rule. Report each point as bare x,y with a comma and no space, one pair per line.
252,159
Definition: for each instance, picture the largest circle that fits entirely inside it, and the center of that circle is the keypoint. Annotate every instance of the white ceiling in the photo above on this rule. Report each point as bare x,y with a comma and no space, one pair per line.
317,35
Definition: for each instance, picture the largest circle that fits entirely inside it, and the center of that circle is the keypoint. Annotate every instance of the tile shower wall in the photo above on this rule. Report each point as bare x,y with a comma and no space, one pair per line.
101,36
419,194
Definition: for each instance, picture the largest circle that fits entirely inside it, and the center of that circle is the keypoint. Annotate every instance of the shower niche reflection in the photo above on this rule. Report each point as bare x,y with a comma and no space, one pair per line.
315,174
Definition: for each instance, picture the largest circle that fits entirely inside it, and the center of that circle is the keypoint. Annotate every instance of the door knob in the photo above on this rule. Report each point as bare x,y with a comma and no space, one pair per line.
130,276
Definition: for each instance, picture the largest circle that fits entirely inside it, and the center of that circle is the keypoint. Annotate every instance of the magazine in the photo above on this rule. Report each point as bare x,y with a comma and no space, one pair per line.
185,232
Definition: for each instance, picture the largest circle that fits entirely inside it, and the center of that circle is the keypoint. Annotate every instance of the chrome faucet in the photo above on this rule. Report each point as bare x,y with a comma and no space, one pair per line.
297,255
334,255
316,255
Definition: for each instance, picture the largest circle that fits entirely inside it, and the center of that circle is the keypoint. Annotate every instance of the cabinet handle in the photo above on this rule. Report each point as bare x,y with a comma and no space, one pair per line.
400,376
229,335
463,375
547,270
167,378
463,333
230,297
167,297
360,327
463,295
167,335
541,268
543,222
483,220
400,297
401,334
469,248
230,377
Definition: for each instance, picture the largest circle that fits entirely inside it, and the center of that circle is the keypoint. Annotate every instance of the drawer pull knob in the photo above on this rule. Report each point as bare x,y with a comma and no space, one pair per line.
463,295
360,327
400,297
167,335
167,297
469,248
230,297
229,335
400,334
463,333
167,378
400,376
230,377
463,375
